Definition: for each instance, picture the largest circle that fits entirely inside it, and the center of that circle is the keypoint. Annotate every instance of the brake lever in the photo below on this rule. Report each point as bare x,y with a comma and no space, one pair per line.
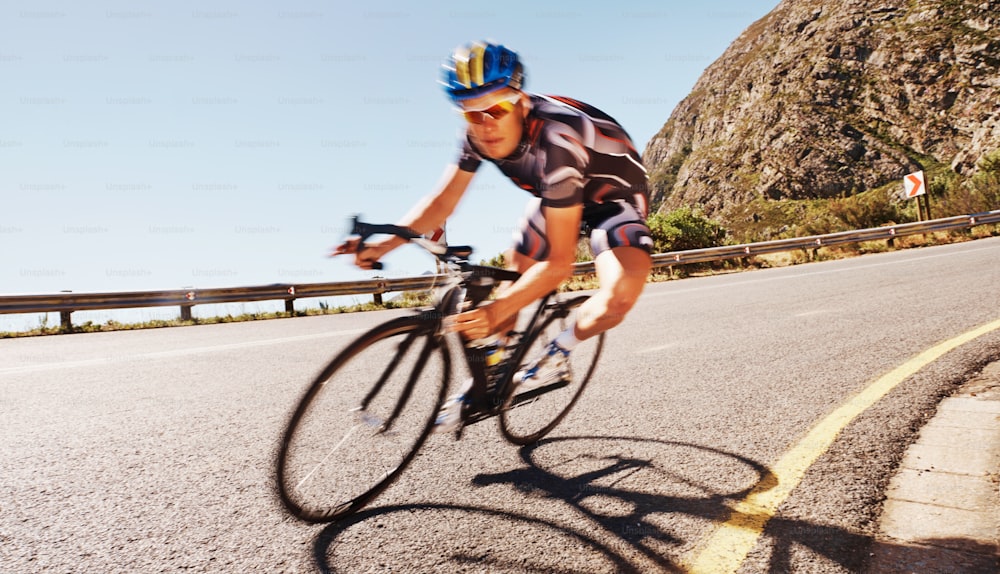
362,230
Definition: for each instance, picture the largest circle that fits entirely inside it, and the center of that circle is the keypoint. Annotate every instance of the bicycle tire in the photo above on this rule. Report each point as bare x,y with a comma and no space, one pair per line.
527,417
334,457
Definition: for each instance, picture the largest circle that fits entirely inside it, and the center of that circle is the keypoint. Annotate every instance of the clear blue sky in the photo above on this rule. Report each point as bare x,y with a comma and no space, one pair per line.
162,145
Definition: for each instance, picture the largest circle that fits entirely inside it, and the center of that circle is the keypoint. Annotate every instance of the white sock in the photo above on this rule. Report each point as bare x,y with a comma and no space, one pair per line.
567,340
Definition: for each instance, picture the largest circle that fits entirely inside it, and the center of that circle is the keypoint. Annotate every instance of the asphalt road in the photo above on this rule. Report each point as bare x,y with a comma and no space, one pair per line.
152,451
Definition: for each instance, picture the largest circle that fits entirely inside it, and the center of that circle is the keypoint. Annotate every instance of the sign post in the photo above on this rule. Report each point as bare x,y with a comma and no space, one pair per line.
915,187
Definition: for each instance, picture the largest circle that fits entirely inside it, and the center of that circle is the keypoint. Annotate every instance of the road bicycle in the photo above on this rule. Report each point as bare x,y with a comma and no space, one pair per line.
371,409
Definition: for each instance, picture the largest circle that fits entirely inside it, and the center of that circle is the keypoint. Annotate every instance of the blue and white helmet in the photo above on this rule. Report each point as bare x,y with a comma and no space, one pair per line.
480,68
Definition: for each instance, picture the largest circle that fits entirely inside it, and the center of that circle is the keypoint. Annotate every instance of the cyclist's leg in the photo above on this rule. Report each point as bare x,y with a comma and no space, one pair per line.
621,243
621,273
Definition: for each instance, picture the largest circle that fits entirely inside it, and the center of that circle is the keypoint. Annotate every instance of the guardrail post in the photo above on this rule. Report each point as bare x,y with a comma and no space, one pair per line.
814,252
66,321
186,307
290,302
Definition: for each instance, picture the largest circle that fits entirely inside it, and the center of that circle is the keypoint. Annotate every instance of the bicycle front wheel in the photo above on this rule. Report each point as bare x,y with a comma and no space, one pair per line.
528,416
362,420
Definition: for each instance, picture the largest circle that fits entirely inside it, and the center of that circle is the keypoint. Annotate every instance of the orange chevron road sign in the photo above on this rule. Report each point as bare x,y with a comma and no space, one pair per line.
914,185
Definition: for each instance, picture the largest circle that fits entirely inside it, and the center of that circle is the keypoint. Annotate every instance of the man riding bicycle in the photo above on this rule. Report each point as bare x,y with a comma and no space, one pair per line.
584,173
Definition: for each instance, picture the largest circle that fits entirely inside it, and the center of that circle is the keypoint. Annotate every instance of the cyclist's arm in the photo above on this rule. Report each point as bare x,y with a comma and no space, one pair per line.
427,215
562,226
431,212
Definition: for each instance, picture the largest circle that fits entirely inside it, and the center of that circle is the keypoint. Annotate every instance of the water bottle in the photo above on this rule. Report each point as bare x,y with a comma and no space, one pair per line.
494,353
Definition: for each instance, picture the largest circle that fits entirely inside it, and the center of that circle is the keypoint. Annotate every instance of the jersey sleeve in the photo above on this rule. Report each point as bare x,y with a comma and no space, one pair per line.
565,162
468,158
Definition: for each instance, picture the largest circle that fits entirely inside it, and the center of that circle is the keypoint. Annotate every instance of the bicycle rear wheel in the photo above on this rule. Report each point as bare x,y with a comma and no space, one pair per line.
362,420
528,416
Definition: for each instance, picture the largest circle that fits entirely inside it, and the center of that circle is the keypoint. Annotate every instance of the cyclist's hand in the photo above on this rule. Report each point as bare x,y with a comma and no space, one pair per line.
350,245
475,324
367,256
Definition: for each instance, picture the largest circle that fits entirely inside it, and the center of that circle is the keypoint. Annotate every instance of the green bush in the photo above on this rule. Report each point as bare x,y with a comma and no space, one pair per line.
956,195
990,164
985,185
864,211
684,229
498,260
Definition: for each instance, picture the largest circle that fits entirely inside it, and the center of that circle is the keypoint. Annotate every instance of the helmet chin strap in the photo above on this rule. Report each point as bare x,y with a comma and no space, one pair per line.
522,146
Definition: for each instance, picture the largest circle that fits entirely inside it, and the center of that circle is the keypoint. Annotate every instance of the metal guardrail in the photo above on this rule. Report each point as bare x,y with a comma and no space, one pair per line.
67,303
887,233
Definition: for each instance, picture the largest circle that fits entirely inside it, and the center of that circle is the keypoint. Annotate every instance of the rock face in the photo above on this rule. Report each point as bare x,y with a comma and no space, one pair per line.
822,98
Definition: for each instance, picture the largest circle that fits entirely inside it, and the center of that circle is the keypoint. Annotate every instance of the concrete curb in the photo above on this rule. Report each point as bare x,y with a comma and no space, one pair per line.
942,511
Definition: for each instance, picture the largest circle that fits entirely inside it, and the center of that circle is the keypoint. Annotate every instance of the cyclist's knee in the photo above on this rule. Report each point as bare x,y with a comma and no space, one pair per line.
625,288
610,306
620,302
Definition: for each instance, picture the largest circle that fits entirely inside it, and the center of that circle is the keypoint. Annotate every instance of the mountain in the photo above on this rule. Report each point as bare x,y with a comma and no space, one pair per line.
825,98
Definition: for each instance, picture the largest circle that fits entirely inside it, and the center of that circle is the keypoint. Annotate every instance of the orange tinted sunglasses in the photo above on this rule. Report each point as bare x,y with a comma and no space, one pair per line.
496,111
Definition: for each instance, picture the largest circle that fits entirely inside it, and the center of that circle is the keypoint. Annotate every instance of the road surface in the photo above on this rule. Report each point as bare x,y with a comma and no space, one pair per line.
152,451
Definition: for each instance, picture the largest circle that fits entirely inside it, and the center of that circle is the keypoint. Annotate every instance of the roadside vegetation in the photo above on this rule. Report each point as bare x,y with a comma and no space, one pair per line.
688,228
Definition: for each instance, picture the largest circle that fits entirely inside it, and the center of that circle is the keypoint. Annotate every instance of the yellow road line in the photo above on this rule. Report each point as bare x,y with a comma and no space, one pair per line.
724,551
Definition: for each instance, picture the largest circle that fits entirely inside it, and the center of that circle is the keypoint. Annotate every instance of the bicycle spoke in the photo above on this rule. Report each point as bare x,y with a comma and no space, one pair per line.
306,478
375,430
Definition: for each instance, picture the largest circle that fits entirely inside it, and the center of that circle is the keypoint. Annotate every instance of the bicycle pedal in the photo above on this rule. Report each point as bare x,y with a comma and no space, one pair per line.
477,416
537,392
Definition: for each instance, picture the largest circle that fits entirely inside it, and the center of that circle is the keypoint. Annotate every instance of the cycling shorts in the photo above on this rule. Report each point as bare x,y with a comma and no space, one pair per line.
608,225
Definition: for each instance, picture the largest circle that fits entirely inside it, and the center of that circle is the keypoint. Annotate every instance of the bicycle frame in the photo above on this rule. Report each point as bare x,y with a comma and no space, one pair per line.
468,285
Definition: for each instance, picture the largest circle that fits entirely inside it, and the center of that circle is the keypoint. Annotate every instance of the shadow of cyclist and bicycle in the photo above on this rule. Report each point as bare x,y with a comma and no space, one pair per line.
620,506
628,503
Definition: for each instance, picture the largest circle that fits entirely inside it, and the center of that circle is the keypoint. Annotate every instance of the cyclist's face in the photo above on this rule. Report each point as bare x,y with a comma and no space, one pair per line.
499,133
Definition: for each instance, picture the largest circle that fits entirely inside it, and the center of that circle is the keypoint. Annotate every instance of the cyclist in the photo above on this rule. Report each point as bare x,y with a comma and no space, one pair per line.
584,173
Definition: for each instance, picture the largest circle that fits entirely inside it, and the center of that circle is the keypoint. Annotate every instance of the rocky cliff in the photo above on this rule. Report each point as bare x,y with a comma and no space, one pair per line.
822,98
